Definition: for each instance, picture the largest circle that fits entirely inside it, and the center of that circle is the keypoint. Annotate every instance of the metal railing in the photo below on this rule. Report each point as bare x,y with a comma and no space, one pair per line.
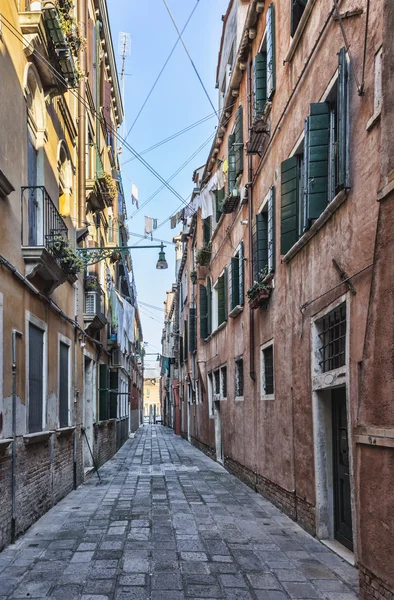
42,223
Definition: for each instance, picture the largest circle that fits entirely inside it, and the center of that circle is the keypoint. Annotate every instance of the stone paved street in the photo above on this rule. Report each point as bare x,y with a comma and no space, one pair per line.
168,523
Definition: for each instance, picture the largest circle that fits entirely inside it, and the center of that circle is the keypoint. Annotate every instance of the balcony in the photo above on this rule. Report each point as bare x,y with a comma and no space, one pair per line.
101,191
231,201
49,30
45,247
93,316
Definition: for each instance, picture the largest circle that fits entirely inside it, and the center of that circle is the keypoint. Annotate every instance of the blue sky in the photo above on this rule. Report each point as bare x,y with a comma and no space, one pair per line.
177,101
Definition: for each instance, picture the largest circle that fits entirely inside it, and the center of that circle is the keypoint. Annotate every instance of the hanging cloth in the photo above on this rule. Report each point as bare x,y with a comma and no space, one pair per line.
154,223
173,222
206,204
149,226
134,194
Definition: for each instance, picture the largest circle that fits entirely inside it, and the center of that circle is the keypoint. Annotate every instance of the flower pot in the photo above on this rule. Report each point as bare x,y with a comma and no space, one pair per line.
202,271
259,298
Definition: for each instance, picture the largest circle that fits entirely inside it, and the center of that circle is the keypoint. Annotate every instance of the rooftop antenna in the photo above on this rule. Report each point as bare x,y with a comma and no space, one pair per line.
124,49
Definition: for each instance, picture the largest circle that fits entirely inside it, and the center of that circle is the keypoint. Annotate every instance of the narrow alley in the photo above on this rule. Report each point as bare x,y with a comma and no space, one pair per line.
169,523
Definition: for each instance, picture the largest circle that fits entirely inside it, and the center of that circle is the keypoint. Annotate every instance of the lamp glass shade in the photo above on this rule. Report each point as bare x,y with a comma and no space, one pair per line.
162,263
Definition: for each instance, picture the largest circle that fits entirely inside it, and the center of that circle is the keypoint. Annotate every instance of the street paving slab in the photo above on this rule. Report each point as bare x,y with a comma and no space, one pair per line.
169,523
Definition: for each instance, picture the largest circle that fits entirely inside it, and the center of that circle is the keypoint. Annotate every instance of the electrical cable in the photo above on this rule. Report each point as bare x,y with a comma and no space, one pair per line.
152,306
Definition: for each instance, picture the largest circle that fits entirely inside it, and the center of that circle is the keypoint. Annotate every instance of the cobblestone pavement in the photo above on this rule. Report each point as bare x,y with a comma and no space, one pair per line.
168,523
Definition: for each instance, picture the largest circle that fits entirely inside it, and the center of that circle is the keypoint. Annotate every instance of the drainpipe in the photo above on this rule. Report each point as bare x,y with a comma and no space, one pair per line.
99,167
252,371
82,18
15,333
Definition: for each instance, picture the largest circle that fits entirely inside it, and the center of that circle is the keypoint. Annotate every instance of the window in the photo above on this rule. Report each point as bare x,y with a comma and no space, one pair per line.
263,237
237,278
210,395
185,342
235,151
264,66
64,384
332,336
216,384
36,379
313,177
297,10
114,394
377,100
207,230
103,392
239,378
219,308
267,371
147,392
223,382
192,330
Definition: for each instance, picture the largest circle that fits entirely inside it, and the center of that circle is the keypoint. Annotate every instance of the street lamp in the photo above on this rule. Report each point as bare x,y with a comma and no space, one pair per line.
92,256
162,263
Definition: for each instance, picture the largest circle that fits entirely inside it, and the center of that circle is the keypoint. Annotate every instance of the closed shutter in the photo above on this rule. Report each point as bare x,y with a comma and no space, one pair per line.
63,385
271,230
270,41
225,285
241,273
231,175
342,116
113,394
203,312
185,341
107,104
234,282
103,392
297,9
209,307
239,142
181,348
317,155
220,293
260,244
192,330
207,230
289,204
260,82
90,50
36,378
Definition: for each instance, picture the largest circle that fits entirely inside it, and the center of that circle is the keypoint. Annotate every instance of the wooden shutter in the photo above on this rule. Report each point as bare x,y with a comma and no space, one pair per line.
207,230
260,82
36,378
181,348
260,244
203,312
317,155
91,51
231,175
107,106
63,384
289,204
234,282
270,41
113,394
297,10
241,272
271,230
220,293
342,118
239,142
225,285
103,392
192,330
209,307
186,341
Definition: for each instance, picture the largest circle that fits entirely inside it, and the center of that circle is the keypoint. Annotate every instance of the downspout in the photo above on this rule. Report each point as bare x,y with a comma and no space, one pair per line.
98,87
252,371
15,333
82,18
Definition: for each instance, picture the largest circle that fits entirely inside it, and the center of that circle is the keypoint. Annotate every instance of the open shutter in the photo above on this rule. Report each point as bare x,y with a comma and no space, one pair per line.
225,285
113,394
234,282
90,50
103,392
260,82
239,142
342,116
231,175
209,307
260,244
220,292
107,104
289,204
270,40
203,312
207,230
271,230
241,273
192,330
297,10
317,153
181,348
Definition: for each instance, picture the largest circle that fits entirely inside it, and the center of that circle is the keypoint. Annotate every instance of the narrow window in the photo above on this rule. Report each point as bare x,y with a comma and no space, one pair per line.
64,385
216,381
332,336
239,378
36,378
223,382
267,370
297,10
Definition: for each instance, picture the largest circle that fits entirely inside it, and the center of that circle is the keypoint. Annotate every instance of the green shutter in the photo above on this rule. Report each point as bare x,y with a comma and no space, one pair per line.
239,142
259,243
225,286
241,273
103,392
271,230
234,282
260,82
207,229
203,312
181,348
185,342
192,330
289,204
220,293
113,394
317,154
209,307
297,9
231,175
342,117
270,41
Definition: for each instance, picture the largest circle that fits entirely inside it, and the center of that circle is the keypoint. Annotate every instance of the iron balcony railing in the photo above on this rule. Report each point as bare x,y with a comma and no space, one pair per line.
42,224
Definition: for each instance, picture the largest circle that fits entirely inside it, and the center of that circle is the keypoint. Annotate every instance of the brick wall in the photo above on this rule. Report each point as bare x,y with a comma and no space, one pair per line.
63,466
104,445
5,497
211,452
373,588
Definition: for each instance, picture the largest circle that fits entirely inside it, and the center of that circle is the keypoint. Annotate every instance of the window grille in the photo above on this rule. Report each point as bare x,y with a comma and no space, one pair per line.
216,376
268,354
239,377
333,339
223,377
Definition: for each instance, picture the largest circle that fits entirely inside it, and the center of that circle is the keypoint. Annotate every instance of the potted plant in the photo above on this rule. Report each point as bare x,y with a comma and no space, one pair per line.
261,289
66,256
193,277
203,257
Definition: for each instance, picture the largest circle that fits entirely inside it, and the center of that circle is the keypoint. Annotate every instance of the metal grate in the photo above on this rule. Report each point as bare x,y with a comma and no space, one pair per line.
239,377
268,370
223,376
333,339
216,376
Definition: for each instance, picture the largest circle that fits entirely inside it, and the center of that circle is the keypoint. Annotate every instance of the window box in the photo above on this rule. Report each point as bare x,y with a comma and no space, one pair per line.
231,201
260,298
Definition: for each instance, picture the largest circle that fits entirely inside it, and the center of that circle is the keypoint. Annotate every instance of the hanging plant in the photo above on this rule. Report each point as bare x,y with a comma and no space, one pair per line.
66,256
193,277
203,257
108,185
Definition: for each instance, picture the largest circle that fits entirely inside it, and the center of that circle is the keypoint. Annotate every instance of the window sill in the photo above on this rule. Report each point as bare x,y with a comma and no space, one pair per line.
268,397
4,443
35,438
236,311
239,398
221,326
373,120
300,30
317,225
64,431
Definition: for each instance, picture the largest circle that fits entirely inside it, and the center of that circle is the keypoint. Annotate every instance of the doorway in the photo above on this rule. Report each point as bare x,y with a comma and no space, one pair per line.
218,433
89,412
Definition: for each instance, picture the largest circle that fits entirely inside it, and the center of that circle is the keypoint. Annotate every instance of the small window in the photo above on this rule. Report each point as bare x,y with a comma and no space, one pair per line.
332,337
297,10
237,278
216,381
263,234
36,378
239,378
223,382
267,371
64,385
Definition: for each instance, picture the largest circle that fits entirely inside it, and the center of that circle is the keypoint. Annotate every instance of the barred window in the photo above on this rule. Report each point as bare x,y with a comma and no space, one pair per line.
239,377
267,371
332,338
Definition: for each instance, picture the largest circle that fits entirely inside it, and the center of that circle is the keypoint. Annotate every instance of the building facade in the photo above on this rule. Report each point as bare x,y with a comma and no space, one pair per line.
152,409
281,293
70,334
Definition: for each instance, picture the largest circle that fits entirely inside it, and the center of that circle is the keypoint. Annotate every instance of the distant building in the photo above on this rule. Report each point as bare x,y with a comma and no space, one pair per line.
152,399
